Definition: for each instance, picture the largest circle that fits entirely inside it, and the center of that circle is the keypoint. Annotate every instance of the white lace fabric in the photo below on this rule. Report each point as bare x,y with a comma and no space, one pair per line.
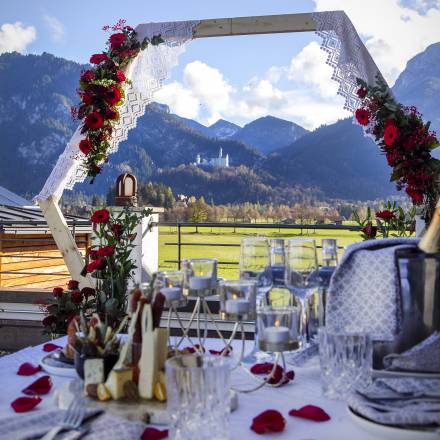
147,73
347,55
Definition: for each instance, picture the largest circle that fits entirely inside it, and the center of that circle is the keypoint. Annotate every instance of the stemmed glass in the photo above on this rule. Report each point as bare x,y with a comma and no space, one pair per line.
302,274
255,265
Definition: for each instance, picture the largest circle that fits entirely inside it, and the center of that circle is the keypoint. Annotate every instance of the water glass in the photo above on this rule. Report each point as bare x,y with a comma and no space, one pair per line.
198,389
346,362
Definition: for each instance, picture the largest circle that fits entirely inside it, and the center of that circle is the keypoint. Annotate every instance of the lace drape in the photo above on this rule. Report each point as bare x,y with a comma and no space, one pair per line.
347,54
147,73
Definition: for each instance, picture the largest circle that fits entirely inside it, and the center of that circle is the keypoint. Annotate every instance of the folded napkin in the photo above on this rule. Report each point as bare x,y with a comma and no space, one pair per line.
405,401
35,424
424,357
364,289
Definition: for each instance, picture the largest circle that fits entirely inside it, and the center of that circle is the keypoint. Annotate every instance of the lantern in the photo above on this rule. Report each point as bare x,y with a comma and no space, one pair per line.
126,190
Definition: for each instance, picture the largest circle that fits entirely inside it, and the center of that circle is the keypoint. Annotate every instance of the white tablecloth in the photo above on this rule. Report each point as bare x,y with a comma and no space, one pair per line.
304,390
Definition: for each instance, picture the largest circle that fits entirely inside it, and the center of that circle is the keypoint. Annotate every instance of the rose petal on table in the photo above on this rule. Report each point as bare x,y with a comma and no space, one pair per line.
270,420
154,434
50,347
310,412
24,404
227,351
41,386
267,367
28,369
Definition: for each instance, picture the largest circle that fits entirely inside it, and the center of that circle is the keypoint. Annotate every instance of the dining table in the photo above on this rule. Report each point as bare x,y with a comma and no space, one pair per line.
305,389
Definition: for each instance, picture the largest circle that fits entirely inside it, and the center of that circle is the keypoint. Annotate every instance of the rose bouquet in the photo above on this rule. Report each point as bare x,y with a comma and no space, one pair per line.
65,306
405,140
110,260
101,91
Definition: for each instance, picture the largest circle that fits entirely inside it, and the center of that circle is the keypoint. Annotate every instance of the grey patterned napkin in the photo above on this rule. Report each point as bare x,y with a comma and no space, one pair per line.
364,289
424,357
35,424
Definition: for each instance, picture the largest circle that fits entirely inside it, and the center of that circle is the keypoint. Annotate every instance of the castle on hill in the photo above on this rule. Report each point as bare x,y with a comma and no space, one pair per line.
215,162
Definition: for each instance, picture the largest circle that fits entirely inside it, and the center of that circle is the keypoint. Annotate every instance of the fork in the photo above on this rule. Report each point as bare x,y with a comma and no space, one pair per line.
72,419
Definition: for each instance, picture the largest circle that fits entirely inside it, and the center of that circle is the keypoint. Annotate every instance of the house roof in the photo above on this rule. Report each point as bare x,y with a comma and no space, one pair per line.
9,198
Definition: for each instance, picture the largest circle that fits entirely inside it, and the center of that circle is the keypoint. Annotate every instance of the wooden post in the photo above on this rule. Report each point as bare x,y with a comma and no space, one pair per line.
65,241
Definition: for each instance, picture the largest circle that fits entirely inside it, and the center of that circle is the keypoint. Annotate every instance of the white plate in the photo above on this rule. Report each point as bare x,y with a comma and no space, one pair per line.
403,374
391,432
52,365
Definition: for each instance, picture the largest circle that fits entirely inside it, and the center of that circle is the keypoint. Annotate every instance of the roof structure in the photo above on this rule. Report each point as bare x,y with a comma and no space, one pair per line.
9,198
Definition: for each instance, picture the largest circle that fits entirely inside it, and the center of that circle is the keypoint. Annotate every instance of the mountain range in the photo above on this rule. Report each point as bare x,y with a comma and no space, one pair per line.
272,155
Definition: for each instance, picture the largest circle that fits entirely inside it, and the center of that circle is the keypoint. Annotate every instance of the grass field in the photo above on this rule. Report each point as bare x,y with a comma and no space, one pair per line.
208,235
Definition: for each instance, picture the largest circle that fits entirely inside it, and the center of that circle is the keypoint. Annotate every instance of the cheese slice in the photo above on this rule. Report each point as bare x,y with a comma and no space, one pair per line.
116,380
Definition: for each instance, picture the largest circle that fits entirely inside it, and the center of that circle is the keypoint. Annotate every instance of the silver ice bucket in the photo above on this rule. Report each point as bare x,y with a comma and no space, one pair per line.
419,278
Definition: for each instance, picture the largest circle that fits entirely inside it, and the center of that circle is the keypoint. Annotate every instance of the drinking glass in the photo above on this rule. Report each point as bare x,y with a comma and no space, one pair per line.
255,265
198,388
346,361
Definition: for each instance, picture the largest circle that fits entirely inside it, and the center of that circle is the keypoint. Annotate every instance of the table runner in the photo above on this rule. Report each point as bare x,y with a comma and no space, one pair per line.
304,390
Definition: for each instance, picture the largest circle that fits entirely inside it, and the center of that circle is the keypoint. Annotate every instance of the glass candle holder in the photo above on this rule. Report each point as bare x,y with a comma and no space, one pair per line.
238,300
200,276
198,397
170,284
278,328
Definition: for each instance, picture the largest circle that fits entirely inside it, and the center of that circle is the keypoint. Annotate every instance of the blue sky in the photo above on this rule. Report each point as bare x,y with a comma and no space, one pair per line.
239,78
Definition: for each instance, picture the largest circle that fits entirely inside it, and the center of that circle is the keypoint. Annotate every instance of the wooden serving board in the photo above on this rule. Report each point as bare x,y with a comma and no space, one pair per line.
147,411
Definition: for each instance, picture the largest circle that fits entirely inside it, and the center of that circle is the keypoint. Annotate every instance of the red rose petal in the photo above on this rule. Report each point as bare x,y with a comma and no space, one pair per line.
266,368
270,420
24,404
50,347
41,386
310,412
28,369
154,434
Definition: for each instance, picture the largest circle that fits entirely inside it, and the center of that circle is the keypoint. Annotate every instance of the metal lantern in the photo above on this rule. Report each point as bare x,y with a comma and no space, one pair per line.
126,190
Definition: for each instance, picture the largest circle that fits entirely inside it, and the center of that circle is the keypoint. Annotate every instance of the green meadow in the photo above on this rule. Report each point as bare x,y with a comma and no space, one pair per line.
212,236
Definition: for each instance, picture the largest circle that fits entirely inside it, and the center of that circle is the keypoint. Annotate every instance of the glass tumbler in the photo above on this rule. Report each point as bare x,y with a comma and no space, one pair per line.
346,361
198,397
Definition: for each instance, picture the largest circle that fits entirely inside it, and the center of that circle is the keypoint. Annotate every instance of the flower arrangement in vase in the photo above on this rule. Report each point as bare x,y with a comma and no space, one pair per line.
110,260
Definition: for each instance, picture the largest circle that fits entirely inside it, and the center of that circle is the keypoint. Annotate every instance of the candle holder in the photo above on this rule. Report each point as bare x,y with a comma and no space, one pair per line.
170,284
200,277
238,300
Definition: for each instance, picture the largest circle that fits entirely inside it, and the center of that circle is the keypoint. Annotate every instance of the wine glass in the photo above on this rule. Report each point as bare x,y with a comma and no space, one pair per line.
255,265
302,275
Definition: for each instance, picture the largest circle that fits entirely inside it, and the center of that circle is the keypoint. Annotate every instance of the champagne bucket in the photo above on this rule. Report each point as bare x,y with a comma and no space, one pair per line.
419,278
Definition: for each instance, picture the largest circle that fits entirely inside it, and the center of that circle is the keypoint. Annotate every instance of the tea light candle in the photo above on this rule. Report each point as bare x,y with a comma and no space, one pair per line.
237,306
200,283
171,293
276,335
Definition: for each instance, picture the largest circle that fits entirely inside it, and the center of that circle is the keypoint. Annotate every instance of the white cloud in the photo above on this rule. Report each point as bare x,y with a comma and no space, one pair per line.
394,31
55,26
16,37
180,99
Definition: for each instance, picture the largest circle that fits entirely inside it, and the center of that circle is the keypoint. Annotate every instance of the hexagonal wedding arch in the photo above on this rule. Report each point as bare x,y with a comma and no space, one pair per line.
347,55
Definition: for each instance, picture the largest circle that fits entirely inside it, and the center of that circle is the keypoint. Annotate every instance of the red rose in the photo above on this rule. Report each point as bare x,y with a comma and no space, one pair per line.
95,265
117,40
100,216
390,135
119,76
88,292
117,230
106,251
98,58
94,121
49,320
392,157
362,93
86,98
385,215
268,421
58,292
362,116
370,231
85,146
76,297
87,76
73,285
93,255
112,95
112,114
415,195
